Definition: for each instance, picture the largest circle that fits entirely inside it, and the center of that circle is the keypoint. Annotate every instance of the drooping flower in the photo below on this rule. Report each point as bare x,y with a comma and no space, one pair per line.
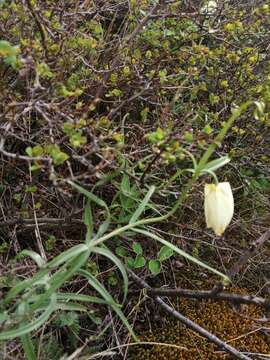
218,206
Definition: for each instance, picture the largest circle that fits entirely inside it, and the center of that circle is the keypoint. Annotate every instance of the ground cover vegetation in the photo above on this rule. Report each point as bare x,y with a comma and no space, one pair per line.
114,115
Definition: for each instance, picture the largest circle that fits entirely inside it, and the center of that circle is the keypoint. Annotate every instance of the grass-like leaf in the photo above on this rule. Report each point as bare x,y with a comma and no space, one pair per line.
216,164
80,297
67,255
97,201
106,252
88,220
182,253
104,293
142,205
34,256
28,347
30,326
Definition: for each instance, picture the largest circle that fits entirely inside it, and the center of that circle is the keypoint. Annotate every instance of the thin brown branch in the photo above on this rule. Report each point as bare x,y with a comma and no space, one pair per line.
40,221
189,323
128,40
39,26
208,294
20,157
249,253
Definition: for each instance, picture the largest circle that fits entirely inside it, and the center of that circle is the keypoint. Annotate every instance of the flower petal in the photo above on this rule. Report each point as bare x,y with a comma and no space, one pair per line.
218,206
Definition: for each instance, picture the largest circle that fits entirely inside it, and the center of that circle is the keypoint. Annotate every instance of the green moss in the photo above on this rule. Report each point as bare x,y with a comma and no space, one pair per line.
234,325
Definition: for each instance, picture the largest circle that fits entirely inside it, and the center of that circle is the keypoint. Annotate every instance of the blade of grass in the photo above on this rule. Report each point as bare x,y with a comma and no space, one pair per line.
80,297
34,256
28,347
88,220
142,205
106,252
182,253
97,201
71,307
67,255
104,293
31,326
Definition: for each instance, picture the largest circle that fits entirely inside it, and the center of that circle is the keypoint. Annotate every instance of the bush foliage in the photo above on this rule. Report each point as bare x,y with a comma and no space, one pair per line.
114,100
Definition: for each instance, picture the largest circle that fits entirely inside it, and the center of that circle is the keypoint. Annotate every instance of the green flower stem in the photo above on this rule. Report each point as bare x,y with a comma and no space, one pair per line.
236,113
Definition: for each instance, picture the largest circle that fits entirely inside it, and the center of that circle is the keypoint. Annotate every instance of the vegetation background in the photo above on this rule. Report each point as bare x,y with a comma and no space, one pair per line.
106,109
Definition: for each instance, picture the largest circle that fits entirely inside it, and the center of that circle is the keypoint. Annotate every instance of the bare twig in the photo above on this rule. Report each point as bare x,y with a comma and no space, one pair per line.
20,157
249,253
208,294
126,41
40,221
189,323
39,26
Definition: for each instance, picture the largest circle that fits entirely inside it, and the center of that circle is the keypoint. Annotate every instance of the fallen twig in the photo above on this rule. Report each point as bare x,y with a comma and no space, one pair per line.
189,323
205,294
40,221
250,252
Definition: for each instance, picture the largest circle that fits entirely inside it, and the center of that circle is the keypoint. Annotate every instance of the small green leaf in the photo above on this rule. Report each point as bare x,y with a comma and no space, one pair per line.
59,157
31,189
165,253
37,150
35,167
112,280
139,262
120,251
6,49
207,129
137,248
154,266
29,151
130,262
188,136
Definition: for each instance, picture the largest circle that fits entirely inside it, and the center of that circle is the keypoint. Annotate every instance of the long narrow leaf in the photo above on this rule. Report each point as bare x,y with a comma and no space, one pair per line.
103,228
34,256
61,276
67,255
142,205
71,307
26,340
182,253
31,326
28,347
90,196
97,201
80,297
106,252
104,293
216,164
88,220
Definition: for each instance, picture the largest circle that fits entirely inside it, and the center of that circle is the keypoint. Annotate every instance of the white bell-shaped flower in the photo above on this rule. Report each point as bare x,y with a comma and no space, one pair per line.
218,206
